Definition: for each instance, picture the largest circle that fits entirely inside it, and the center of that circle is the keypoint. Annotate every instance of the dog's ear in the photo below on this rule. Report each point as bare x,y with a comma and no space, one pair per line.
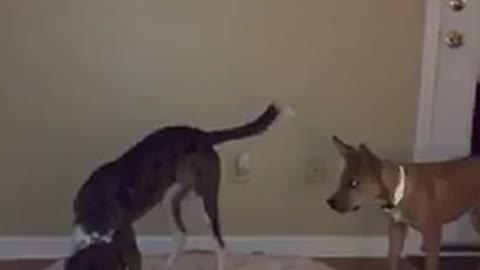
365,151
343,148
363,148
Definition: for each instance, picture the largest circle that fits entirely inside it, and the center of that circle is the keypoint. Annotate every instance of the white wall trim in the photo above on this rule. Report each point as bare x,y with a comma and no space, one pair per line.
426,98
310,246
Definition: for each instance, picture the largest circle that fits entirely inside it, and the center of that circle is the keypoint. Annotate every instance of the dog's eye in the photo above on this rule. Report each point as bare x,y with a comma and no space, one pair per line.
353,183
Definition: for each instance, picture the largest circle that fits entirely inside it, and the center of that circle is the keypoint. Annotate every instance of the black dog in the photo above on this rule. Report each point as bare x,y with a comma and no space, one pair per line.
120,254
165,166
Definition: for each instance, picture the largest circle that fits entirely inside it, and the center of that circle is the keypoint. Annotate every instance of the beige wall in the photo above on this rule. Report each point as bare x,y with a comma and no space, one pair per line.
82,80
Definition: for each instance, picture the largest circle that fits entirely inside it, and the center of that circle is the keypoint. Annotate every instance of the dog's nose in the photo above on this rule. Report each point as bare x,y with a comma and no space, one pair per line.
332,203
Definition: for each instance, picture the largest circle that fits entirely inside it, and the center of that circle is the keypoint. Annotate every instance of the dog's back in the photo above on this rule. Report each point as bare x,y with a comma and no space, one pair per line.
125,189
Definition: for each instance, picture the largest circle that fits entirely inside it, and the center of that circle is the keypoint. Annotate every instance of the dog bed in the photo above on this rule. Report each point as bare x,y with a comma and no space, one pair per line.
235,261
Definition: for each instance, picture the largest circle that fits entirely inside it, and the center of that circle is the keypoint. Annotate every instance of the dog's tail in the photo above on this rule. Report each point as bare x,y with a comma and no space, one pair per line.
256,127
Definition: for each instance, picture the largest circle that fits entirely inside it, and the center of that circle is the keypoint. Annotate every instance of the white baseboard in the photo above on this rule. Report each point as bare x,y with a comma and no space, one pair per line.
311,246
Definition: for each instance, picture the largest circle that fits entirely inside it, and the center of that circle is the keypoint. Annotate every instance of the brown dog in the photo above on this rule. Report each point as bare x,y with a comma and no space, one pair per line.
423,196
166,165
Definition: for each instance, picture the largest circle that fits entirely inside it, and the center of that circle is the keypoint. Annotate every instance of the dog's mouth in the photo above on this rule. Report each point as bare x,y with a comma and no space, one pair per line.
341,207
387,207
347,210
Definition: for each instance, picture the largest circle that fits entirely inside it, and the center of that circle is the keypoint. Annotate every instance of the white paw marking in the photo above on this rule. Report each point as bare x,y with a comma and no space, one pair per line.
178,237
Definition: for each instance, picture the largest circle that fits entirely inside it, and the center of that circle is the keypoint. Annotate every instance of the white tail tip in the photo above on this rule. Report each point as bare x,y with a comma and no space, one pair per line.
285,110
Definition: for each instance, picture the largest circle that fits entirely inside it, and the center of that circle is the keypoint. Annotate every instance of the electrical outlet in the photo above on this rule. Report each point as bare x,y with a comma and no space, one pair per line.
314,170
243,164
242,168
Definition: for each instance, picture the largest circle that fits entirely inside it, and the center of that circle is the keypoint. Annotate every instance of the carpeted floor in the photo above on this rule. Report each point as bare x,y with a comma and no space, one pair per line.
236,261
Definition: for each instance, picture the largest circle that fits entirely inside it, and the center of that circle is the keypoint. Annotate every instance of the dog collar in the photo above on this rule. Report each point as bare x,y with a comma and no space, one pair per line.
400,189
82,239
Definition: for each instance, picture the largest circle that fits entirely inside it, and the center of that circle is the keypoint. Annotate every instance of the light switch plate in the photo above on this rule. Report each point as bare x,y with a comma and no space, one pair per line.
314,170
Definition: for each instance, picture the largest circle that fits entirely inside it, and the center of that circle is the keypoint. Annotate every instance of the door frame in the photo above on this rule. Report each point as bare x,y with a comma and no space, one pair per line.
428,82
426,137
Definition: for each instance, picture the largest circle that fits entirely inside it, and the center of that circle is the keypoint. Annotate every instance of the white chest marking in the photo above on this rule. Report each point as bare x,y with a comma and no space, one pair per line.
398,195
81,239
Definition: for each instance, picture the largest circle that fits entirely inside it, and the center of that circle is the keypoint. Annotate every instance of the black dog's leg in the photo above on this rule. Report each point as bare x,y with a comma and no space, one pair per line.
173,205
126,239
209,196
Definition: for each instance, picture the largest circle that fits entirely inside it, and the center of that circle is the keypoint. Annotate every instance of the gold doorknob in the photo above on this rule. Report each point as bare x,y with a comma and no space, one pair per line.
457,5
454,39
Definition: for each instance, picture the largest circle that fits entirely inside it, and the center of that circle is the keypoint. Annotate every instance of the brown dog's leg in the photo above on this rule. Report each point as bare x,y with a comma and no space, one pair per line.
475,219
432,237
397,233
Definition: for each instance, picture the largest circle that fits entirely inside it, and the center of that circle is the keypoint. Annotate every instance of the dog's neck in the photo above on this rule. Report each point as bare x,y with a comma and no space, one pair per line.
395,183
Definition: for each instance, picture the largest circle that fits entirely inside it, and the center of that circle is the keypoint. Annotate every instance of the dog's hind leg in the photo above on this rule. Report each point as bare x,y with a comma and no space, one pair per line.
475,219
209,195
173,204
211,215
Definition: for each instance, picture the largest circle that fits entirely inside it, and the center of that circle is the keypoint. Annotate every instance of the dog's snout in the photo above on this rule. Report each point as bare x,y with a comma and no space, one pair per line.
332,203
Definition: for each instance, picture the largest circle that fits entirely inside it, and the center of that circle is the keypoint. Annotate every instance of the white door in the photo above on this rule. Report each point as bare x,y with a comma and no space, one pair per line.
450,72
